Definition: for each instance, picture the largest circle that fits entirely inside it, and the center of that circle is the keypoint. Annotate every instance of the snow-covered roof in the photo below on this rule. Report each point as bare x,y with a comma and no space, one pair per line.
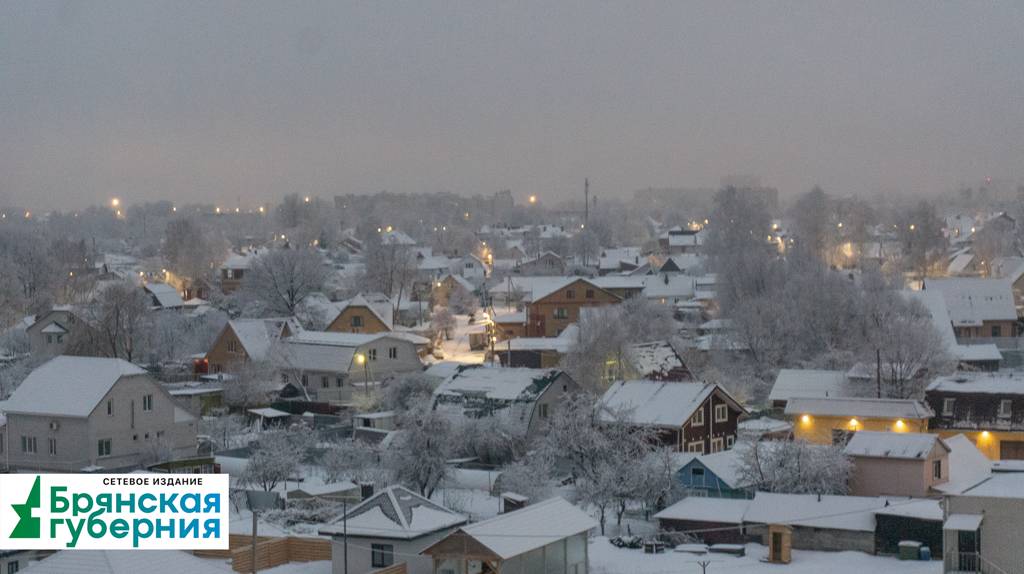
959,263
967,465
241,260
657,403
434,263
967,522
125,562
54,328
268,413
971,300
529,528
380,309
974,353
764,425
258,335
559,344
619,282
922,509
665,286
323,489
989,383
317,357
999,485
861,408
510,318
165,295
69,386
725,464
503,384
541,291
395,512
854,513
900,445
808,383
701,509
612,258
460,281
443,369
655,359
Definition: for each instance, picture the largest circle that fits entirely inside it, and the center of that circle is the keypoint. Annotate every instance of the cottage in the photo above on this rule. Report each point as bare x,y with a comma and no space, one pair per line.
363,314
473,269
246,340
988,408
549,537
51,333
679,240
547,263
897,464
979,308
234,269
981,532
712,475
550,311
389,528
524,397
833,420
689,417
74,413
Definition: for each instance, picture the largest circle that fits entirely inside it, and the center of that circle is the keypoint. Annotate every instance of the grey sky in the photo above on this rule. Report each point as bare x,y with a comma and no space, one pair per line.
216,100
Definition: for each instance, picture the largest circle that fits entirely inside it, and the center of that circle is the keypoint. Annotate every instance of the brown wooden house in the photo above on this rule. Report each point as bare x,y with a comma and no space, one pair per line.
987,408
551,311
244,340
361,315
690,417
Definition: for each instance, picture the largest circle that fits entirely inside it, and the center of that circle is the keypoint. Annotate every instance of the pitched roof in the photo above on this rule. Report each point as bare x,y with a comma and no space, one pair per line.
563,282
165,295
898,445
529,528
317,357
808,383
724,464
498,383
69,386
967,465
658,403
395,512
380,309
655,359
990,383
125,562
702,509
827,511
971,300
863,408
257,335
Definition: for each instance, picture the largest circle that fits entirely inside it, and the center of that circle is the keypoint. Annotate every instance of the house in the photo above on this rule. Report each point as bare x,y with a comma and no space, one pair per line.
550,311
473,269
814,383
622,286
680,263
362,314
509,325
77,561
536,352
246,340
547,263
391,527
51,333
689,417
620,260
448,285
163,296
679,240
712,475
714,520
233,270
981,532
654,361
668,289
819,522
897,464
832,420
524,397
76,413
975,356
988,408
978,308
548,536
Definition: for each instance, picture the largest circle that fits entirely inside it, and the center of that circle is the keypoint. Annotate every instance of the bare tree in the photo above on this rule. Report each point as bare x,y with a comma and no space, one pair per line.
419,454
117,323
794,467
282,279
273,460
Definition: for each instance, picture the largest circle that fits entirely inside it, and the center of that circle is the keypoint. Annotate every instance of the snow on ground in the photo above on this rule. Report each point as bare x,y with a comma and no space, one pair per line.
319,567
607,559
457,349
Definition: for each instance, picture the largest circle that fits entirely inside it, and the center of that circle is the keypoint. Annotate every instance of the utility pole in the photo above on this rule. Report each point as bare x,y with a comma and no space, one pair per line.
586,202
344,529
878,371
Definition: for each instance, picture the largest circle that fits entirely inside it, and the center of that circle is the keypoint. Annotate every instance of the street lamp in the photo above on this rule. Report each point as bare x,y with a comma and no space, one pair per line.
533,199
115,202
361,360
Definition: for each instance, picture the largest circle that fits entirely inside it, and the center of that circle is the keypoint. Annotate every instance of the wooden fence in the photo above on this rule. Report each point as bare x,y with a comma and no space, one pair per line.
270,552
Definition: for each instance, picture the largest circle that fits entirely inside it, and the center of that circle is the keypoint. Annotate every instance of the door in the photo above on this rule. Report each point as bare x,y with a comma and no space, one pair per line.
967,547
1011,450
776,546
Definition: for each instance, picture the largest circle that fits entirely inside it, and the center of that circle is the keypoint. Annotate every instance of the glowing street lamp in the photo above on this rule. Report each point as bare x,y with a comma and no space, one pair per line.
361,360
115,202
306,199
533,199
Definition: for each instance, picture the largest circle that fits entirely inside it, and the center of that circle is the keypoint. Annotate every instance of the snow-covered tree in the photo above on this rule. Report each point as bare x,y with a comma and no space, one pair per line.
419,453
354,461
118,323
251,385
273,460
282,279
408,391
462,301
442,323
794,467
225,431
191,251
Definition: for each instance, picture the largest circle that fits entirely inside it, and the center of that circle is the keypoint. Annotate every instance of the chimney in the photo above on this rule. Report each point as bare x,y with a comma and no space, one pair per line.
365,490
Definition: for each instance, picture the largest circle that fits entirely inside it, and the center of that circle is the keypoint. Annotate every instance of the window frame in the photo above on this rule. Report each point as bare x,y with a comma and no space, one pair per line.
697,418
690,447
725,409
382,555
948,406
51,446
104,452
1005,413
720,442
147,403
937,469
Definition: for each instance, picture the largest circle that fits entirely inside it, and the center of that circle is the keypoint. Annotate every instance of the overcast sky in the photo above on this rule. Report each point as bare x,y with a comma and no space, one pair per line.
220,100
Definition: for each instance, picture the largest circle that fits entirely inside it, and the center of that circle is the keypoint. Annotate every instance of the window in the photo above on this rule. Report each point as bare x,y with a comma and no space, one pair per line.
12,567
110,407
936,469
721,413
698,418
717,445
147,403
1005,408
324,382
53,446
232,346
697,447
357,321
371,354
337,382
60,338
947,407
49,339
392,352
561,313
543,411
695,472
382,555
103,447
159,434
590,294
729,441
305,380
570,294
997,331
28,444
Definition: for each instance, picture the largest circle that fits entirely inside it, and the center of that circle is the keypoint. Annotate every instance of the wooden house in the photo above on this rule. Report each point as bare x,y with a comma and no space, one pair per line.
988,408
833,420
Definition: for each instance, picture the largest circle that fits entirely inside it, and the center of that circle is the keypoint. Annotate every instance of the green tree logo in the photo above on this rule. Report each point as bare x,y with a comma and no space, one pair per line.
28,525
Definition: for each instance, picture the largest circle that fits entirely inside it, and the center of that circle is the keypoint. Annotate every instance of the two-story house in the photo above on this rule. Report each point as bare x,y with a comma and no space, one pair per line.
978,308
247,340
897,464
90,413
689,417
557,306
232,272
51,332
988,408
363,314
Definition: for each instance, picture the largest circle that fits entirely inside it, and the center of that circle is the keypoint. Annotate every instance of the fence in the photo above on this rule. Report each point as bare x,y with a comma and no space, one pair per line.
270,552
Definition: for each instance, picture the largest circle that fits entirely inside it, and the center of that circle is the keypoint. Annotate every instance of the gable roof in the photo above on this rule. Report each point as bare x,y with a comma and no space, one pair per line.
257,336
503,384
659,403
724,464
380,309
703,509
165,295
395,512
125,562
897,445
69,386
808,383
862,408
565,282
535,526
967,465
971,300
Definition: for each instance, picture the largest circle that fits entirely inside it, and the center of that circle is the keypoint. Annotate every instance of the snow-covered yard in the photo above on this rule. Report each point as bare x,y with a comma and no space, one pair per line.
607,559
457,348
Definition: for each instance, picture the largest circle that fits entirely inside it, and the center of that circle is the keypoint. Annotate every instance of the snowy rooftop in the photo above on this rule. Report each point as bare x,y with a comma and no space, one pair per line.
498,383
619,282
702,509
967,465
903,445
725,464
863,408
559,344
532,527
125,562
656,403
69,386
997,383
999,485
658,286
257,335
166,296
317,357
380,309
763,425
971,300
395,512
924,509
654,358
826,511
808,383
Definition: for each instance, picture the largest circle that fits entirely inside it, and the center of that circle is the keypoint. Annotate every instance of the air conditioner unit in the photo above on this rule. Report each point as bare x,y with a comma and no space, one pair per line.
54,425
